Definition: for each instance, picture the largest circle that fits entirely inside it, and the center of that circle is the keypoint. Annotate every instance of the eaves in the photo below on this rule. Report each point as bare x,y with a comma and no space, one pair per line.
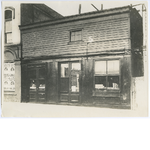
84,16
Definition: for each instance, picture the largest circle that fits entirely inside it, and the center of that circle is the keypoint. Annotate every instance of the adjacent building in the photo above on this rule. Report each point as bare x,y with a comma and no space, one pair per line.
88,59
16,14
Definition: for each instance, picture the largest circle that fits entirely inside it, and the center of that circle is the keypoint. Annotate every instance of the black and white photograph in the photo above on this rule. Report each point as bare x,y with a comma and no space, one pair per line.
74,59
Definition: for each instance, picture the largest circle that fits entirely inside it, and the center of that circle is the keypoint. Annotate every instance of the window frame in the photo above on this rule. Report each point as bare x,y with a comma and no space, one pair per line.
107,89
75,30
7,20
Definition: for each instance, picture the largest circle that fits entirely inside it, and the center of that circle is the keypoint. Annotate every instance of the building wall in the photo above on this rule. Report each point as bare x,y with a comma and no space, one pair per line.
136,44
13,48
88,94
15,21
15,96
108,33
12,53
31,13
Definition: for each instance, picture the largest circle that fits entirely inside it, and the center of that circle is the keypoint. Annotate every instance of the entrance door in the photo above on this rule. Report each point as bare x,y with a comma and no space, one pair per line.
70,82
36,84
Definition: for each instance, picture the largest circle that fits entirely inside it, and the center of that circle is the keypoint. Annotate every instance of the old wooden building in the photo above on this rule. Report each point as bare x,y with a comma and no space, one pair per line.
87,59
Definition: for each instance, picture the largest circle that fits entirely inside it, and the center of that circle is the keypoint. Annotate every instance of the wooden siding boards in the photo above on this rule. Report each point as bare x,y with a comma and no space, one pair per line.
107,35
79,18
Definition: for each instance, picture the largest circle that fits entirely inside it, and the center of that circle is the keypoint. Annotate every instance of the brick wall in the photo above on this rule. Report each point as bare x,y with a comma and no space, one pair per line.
108,33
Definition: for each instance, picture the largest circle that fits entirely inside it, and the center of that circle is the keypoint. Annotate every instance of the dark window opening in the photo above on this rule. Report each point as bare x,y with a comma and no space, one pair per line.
8,14
8,26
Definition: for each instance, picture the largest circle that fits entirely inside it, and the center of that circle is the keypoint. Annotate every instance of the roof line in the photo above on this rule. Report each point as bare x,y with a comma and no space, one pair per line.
80,17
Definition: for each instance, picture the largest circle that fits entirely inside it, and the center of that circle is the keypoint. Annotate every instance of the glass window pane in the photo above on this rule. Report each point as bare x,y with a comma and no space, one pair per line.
73,33
32,85
100,82
8,14
64,70
100,67
74,82
113,67
76,67
41,85
113,82
72,37
79,35
9,37
8,27
76,35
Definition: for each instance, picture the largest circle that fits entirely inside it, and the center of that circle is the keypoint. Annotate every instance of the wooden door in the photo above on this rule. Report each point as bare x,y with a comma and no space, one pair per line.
37,84
70,82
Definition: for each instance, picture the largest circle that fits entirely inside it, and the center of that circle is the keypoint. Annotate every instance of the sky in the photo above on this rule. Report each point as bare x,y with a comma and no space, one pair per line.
67,8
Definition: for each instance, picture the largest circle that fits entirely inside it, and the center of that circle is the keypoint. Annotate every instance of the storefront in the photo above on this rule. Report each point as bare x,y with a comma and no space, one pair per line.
96,81
68,69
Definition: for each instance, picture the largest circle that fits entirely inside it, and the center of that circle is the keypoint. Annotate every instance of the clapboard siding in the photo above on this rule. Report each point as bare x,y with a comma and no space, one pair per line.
108,34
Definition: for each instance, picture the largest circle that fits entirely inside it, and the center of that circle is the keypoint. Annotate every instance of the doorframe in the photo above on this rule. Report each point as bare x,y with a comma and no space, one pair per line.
59,77
37,67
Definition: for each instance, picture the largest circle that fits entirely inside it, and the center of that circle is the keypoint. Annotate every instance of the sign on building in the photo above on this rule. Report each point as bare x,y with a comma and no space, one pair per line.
9,77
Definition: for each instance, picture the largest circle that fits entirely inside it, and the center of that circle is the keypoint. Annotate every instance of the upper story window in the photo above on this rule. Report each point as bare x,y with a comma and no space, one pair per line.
9,15
76,35
107,74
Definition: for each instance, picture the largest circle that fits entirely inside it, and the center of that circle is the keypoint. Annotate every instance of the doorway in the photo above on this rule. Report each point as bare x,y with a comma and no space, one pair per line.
69,77
36,76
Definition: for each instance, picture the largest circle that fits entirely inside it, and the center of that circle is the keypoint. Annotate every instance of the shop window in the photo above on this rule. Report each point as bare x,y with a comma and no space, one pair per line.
75,70
8,26
107,74
76,35
64,81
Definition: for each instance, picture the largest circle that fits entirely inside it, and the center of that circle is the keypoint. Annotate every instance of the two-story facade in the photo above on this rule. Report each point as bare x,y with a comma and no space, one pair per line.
87,59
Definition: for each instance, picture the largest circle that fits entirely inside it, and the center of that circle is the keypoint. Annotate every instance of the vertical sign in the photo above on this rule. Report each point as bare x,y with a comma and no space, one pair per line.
9,77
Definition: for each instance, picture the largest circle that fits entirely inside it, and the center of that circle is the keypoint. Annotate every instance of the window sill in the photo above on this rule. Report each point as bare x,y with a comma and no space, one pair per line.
11,44
106,93
75,42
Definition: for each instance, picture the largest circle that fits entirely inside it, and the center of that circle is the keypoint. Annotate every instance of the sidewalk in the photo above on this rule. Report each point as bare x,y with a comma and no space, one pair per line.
12,109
